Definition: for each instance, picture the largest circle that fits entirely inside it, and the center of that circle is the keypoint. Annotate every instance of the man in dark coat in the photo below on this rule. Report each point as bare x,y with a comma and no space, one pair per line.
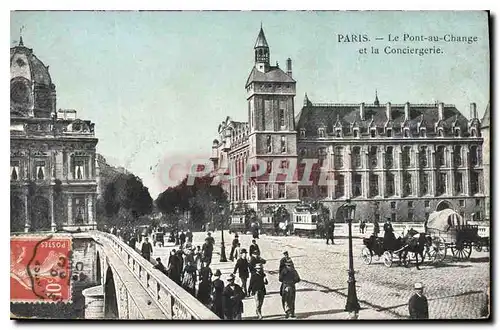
207,251
417,305
286,258
255,260
288,278
132,242
329,232
211,240
160,266
242,267
146,249
389,237
174,267
233,296
217,298
234,246
254,248
376,228
182,238
257,287
205,280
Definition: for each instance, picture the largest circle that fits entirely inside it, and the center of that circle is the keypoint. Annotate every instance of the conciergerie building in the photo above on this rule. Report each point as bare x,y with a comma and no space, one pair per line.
396,161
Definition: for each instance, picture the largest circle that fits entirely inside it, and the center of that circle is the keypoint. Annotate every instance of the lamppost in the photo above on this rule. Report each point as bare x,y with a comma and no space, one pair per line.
222,247
352,304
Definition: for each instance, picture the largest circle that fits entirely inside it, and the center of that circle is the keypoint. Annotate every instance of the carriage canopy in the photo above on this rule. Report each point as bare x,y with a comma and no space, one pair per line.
444,220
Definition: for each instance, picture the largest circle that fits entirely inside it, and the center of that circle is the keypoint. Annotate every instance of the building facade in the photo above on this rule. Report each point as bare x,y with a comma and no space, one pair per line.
52,153
485,133
396,161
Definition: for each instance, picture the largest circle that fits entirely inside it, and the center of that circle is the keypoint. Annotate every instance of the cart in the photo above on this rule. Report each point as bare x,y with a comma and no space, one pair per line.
449,231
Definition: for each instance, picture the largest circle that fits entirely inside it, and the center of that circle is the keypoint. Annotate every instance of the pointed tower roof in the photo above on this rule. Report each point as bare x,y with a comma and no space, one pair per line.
376,102
21,43
261,39
486,118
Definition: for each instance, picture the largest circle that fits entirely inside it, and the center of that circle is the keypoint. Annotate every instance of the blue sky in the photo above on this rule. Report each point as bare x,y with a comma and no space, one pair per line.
157,84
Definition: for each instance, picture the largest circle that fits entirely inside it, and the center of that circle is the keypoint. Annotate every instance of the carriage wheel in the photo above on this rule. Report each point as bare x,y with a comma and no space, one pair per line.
366,256
462,251
387,256
437,252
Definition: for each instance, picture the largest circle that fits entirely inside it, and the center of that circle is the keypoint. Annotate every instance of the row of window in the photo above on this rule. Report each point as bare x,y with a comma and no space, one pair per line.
388,132
423,155
79,169
269,145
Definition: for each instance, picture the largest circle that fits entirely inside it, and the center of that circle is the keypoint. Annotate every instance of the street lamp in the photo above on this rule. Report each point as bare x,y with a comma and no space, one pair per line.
222,247
352,304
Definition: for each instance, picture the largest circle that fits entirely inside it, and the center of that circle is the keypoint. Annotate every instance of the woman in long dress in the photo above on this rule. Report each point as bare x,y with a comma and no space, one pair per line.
204,284
189,278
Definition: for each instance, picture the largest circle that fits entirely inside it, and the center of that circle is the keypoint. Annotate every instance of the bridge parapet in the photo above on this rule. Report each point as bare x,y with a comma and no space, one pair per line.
170,298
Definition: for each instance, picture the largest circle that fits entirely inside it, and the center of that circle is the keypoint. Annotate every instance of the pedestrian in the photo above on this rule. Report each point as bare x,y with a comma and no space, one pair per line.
257,288
417,305
234,245
255,260
180,257
216,296
286,258
146,249
288,278
189,236
207,251
329,232
376,228
211,240
237,253
254,247
243,270
255,231
362,226
174,267
233,296
198,257
205,280
189,278
182,238
132,242
160,266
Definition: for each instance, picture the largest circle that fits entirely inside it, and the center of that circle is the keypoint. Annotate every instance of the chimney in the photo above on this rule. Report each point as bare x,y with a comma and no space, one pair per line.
440,110
473,111
289,67
407,111
388,111
362,111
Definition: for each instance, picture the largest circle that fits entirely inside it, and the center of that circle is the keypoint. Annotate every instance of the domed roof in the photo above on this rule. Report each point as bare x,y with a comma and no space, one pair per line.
23,63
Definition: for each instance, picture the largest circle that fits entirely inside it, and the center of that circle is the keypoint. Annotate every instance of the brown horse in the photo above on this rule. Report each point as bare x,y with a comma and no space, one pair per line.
417,244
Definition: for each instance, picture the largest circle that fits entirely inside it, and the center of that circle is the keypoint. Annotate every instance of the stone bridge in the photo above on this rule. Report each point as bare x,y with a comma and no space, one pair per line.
130,288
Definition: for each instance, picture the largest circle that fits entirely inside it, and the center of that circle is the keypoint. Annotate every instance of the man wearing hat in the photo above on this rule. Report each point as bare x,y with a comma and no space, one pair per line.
234,246
233,296
217,298
146,249
255,259
242,267
417,306
257,287
288,278
207,250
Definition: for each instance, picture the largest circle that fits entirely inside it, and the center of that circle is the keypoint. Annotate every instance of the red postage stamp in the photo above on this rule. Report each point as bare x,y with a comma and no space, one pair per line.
40,269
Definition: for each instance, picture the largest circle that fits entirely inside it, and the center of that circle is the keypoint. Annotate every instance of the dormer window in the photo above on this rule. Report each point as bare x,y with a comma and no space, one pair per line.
373,132
356,132
457,131
406,132
321,132
14,170
388,132
423,132
440,132
40,170
302,132
338,132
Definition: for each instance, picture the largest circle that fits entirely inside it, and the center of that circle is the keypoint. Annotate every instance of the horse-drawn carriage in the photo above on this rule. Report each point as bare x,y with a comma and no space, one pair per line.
449,230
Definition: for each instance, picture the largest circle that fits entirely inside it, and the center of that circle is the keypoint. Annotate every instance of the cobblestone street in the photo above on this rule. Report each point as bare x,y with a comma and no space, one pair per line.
454,289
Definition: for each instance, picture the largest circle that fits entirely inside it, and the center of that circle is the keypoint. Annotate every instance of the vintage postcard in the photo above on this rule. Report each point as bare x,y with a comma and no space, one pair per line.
238,165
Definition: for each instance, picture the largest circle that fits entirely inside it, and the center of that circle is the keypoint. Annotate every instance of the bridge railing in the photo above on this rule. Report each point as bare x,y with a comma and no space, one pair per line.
173,300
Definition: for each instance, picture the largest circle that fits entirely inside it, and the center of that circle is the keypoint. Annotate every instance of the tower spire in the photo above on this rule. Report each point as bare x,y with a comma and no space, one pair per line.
21,44
376,102
261,49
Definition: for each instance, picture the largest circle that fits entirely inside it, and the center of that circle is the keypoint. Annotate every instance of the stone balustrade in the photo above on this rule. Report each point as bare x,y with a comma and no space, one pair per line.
170,298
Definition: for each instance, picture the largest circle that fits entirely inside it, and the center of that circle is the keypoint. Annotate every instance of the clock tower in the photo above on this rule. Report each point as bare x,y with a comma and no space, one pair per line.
272,135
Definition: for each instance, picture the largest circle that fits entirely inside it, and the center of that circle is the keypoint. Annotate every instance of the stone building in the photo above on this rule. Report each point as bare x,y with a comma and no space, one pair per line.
52,153
397,161
485,133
